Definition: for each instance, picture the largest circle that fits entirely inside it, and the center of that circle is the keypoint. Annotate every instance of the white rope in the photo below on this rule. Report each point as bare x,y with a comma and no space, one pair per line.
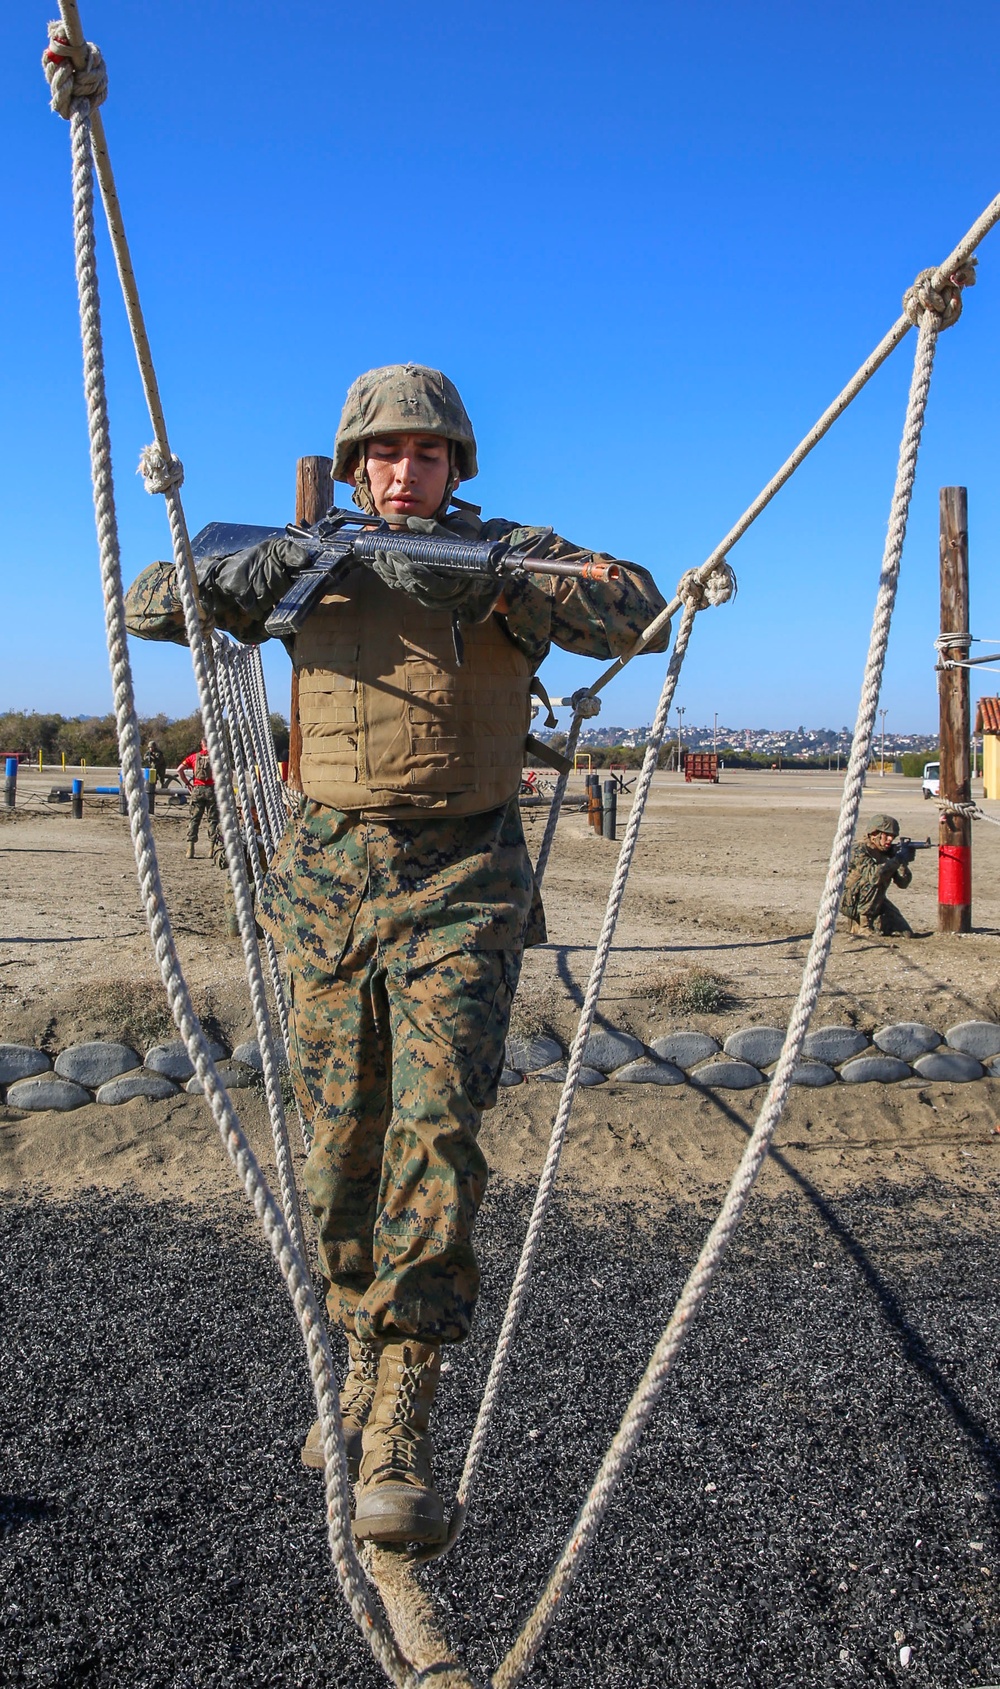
514,1667
522,1277
165,473
280,1230
235,723
971,811
555,808
944,282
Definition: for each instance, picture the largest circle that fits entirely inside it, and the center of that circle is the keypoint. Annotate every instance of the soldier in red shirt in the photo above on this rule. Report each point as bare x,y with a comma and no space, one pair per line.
196,773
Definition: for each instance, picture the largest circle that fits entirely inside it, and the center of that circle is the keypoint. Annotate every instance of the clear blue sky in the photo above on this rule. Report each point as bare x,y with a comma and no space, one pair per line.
649,242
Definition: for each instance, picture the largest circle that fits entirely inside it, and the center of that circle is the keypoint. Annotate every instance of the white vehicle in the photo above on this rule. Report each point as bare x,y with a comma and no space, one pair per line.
931,783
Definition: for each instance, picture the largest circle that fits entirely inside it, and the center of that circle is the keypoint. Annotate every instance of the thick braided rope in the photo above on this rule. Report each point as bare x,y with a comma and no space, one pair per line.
235,857
248,675
236,730
552,819
276,1230
522,1278
514,1667
971,810
942,285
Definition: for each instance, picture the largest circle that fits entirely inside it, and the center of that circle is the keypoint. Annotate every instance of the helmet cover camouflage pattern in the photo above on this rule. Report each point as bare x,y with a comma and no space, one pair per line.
883,824
403,399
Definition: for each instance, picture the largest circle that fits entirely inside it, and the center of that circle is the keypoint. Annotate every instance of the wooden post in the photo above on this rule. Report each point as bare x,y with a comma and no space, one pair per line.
313,498
955,832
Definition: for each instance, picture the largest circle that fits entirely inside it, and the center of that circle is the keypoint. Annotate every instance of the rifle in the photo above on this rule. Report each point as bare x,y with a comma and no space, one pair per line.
345,538
904,850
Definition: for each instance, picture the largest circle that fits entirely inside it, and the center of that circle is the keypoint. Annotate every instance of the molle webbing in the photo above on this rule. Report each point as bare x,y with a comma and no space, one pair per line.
391,722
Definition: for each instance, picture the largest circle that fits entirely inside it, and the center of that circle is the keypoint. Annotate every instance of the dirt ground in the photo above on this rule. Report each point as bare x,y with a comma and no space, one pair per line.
725,881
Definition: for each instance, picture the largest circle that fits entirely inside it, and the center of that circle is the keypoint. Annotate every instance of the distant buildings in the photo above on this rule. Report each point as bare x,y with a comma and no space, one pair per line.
800,744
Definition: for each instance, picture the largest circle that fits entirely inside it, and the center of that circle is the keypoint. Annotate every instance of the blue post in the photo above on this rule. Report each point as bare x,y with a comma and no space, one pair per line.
76,800
10,783
122,798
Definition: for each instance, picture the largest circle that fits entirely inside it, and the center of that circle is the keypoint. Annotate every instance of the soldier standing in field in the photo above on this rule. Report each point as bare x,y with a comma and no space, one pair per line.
196,773
155,760
404,895
874,867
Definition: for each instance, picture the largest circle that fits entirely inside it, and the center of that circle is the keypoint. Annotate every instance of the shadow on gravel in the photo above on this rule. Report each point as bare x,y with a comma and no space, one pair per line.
913,1345
18,1510
811,1497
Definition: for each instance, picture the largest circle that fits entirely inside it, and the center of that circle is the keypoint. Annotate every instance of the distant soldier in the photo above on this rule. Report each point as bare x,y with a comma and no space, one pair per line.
875,866
196,773
156,761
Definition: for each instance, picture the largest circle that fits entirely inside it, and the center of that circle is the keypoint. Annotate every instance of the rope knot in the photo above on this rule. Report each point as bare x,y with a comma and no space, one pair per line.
585,704
159,473
944,302
718,587
69,82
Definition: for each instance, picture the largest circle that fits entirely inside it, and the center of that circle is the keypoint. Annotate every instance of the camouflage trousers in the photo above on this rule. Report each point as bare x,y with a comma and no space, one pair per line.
395,1075
203,805
403,941
885,918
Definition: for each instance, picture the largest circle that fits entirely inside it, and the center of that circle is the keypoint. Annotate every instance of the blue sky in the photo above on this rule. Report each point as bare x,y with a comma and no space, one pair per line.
649,242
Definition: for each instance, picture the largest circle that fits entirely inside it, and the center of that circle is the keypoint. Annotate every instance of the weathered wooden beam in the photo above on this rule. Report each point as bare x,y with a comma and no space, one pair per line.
313,498
955,832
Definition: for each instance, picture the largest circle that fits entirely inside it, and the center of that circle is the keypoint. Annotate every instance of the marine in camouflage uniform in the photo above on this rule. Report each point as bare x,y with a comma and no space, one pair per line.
873,869
203,806
404,920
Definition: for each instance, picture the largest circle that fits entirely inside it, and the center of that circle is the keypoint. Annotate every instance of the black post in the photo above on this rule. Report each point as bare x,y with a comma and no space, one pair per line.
10,783
76,800
610,809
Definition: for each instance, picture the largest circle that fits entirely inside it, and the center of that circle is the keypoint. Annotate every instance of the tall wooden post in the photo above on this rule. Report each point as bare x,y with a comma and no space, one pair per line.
955,834
313,498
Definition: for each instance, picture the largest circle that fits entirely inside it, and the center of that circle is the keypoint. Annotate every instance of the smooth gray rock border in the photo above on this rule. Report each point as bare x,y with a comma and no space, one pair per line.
93,1064
833,1044
757,1045
902,1051
141,1083
685,1049
727,1075
645,1071
907,1039
979,1038
47,1091
20,1061
871,1070
949,1064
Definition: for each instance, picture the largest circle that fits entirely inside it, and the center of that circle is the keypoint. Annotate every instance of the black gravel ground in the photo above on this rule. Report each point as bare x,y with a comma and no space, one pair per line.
818,1491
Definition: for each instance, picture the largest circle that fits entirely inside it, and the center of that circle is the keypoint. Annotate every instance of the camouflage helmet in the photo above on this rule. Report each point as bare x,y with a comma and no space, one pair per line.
403,399
883,824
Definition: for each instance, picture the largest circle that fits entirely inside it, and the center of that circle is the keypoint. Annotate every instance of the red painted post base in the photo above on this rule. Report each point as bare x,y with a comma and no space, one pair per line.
954,888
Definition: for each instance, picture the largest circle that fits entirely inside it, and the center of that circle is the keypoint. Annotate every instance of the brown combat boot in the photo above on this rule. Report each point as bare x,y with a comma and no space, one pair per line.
355,1405
190,850
396,1501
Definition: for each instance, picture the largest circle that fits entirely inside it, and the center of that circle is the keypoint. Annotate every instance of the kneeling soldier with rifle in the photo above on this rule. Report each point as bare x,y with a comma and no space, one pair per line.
404,895
881,859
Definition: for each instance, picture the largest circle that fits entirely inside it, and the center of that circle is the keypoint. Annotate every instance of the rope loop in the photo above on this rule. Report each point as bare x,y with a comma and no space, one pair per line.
67,82
159,473
718,588
585,704
945,302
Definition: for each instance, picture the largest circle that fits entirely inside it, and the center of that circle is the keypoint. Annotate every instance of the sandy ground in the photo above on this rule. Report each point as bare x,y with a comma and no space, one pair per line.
819,1487
726,879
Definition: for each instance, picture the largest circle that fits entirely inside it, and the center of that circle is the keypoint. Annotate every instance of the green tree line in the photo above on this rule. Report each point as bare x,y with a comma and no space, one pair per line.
94,739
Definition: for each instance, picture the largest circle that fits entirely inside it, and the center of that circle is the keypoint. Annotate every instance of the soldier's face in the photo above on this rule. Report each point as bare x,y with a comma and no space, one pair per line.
407,474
